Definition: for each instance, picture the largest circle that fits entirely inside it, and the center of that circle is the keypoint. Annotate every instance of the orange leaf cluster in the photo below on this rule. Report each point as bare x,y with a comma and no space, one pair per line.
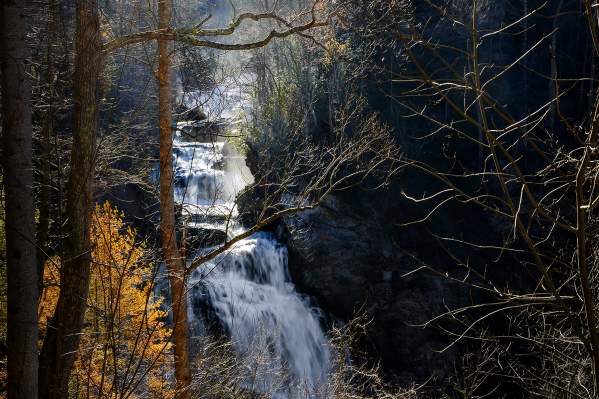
124,350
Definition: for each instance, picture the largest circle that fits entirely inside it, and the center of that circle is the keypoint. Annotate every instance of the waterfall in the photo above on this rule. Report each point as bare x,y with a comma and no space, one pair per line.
251,293
248,289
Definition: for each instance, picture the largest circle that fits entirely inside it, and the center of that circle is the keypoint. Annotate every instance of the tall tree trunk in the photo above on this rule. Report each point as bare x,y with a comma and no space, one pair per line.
174,261
43,225
19,206
63,333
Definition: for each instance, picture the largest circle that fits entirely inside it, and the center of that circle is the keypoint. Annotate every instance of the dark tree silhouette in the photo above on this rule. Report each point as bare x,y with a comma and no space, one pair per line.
19,206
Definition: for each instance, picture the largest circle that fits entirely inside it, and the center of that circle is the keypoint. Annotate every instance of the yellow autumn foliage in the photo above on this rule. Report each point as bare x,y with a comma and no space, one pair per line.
124,350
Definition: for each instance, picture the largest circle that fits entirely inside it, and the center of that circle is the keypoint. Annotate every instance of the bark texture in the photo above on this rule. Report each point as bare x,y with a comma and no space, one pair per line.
173,258
43,225
62,340
19,207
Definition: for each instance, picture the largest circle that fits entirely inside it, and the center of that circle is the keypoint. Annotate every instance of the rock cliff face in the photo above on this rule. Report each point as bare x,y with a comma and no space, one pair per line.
338,254
344,257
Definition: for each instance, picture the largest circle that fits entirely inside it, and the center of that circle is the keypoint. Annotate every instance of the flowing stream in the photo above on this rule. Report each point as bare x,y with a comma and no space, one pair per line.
248,290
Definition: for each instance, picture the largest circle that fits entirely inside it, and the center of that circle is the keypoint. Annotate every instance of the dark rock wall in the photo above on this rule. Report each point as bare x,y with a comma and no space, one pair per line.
345,257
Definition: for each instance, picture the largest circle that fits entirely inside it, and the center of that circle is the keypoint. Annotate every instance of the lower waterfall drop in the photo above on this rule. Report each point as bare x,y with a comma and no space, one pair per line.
250,292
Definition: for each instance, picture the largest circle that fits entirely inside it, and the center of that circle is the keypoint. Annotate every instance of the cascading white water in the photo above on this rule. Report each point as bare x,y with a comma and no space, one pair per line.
248,288
200,178
251,293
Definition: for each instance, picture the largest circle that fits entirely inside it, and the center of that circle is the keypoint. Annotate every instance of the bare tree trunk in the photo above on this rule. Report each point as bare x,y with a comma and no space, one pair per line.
62,339
19,206
43,225
174,262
